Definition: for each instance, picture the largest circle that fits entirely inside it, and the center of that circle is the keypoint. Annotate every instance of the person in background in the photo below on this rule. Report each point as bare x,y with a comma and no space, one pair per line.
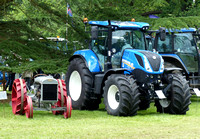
11,78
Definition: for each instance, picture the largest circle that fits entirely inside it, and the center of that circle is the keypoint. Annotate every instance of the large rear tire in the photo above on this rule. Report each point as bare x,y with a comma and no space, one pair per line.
121,95
178,96
79,82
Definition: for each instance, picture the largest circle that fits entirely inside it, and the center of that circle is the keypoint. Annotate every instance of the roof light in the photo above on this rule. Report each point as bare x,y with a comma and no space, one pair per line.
133,20
85,20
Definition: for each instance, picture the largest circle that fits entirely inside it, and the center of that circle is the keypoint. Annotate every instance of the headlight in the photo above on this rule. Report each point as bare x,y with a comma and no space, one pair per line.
162,65
147,66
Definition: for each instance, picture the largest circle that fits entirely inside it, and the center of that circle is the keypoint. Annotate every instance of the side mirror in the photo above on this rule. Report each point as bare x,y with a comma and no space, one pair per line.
162,32
94,32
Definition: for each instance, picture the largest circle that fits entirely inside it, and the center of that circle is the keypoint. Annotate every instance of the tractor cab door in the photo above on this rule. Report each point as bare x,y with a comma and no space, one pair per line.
185,48
183,45
164,46
99,46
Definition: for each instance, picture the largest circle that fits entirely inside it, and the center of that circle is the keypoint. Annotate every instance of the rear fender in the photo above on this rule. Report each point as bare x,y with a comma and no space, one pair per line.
90,59
176,61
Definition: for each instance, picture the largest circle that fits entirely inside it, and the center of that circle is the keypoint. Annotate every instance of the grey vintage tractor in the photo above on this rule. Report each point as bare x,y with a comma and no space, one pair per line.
117,67
47,94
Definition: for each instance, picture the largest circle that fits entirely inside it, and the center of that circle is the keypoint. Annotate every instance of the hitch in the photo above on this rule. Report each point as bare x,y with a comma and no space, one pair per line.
162,94
168,86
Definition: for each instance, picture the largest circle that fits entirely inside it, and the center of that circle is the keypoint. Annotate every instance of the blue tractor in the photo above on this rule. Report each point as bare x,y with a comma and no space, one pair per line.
118,68
179,50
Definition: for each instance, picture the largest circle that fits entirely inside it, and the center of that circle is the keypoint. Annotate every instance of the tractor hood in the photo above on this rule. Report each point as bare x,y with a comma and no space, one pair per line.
147,61
45,80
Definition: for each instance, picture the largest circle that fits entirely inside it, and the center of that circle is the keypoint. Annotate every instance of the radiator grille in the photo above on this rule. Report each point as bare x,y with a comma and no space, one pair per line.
50,92
155,63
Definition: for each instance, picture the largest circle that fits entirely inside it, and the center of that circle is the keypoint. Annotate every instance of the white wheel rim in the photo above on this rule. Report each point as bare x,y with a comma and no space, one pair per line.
112,92
75,85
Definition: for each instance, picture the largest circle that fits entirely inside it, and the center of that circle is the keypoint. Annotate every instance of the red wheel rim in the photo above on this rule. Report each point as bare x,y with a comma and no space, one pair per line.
19,96
29,108
62,93
68,112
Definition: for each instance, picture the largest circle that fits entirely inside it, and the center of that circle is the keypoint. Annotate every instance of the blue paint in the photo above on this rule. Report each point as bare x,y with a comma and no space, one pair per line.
91,59
1,76
182,30
122,25
129,61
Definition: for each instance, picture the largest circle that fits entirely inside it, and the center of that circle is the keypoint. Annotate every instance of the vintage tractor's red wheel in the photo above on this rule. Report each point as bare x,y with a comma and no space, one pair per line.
62,93
19,97
29,108
68,112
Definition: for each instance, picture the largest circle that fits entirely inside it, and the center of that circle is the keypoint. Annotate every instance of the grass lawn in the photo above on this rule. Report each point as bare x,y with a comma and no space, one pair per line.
98,124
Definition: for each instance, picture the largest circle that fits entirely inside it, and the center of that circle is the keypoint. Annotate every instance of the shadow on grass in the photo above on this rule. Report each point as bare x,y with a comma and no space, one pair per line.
100,113
194,98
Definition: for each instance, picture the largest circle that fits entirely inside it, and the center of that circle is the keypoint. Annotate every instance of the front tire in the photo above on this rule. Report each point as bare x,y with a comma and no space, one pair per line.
79,83
178,98
121,95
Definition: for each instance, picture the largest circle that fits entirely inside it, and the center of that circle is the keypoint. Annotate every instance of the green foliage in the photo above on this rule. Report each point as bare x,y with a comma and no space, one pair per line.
21,28
24,22
172,13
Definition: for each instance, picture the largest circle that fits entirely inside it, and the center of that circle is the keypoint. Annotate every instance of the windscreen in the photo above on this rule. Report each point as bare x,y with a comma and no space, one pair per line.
129,38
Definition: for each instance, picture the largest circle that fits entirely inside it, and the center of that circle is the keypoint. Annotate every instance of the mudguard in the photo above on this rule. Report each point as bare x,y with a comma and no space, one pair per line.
90,59
176,58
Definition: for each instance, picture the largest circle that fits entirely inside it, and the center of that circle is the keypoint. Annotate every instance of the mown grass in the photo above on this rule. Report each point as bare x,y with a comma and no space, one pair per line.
98,124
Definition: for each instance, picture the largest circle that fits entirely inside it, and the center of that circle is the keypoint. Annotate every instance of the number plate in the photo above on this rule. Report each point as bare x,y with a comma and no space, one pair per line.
160,94
196,91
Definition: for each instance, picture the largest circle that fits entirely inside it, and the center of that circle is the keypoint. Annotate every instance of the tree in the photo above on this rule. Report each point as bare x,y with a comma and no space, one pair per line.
24,22
22,25
172,13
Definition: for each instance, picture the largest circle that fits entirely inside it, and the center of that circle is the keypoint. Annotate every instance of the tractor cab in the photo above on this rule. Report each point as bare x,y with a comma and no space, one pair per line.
123,35
179,49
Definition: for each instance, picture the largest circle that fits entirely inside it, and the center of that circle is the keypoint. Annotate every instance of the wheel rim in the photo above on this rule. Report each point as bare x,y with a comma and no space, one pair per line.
29,108
113,96
164,103
75,85
67,113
